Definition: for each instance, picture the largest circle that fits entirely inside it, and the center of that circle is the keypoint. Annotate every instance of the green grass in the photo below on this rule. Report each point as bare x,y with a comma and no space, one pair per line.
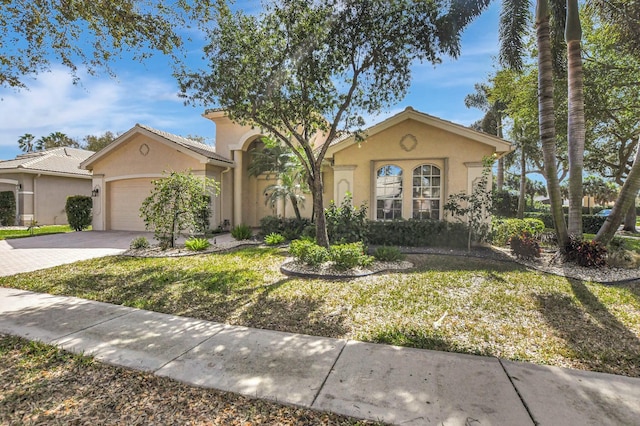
449,303
632,244
41,230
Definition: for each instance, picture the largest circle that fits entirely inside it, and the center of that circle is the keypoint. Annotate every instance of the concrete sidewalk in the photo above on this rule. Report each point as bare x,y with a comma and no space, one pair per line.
377,382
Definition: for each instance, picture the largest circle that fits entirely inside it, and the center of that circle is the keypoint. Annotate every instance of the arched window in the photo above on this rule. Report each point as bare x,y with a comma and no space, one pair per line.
426,192
389,192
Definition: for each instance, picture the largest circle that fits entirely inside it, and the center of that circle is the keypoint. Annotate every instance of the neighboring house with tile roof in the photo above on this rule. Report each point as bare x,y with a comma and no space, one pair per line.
403,167
42,181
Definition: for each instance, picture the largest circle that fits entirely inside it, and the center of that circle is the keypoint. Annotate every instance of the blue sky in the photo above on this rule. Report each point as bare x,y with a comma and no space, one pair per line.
147,94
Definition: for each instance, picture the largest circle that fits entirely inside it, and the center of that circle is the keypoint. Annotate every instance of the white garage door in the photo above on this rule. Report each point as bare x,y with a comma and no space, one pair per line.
125,199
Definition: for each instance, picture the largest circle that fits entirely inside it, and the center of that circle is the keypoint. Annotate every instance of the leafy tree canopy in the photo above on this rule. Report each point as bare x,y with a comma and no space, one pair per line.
306,68
97,142
87,33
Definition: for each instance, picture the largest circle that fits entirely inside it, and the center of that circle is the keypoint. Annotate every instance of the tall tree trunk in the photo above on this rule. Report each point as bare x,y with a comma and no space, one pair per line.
575,126
315,184
523,185
625,201
630,218
547,121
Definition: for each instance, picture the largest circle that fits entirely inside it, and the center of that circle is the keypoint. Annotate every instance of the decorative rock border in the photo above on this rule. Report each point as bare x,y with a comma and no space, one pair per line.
326,271
181,251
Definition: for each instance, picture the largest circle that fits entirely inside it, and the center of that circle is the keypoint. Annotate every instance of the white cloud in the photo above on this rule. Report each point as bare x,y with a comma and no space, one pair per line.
54,103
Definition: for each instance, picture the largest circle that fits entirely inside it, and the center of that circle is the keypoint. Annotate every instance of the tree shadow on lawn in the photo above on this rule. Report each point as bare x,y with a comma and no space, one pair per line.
597,339
235,297
304,315
415,338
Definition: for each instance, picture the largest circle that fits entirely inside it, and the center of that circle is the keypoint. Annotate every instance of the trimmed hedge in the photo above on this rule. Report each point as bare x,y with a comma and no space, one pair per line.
7,208
78,210
590,223
290,228
418,233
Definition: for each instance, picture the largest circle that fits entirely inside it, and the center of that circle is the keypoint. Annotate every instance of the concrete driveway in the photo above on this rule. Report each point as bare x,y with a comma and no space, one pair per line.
40,252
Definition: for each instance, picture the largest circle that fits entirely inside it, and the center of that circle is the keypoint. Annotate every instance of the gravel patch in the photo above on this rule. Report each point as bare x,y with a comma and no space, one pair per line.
181,250
548,262
327,270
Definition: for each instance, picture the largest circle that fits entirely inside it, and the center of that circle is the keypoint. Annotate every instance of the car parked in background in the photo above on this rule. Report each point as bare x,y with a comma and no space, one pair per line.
603,213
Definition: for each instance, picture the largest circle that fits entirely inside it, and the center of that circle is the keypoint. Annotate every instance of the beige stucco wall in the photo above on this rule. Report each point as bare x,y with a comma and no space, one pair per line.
408,145
129,159
51,194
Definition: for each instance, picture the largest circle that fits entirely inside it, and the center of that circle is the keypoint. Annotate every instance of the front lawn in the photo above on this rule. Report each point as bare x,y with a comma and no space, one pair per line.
449,303
40,230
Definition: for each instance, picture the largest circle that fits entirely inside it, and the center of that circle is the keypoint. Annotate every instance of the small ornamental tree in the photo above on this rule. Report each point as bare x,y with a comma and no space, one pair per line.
78,209
176,204
474,208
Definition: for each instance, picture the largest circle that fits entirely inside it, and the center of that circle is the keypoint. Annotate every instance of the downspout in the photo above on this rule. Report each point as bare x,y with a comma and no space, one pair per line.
35,195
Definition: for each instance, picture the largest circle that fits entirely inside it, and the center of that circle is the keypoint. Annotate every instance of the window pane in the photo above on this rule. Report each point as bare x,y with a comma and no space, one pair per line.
388,192
426,192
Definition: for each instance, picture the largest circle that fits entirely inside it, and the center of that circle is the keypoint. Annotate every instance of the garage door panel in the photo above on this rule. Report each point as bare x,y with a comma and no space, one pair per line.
125,200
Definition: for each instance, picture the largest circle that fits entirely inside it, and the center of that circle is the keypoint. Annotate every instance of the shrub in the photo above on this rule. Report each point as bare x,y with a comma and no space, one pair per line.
505,204
418,233
139,243
308,252
274,239
346,224
290,228
620,256
524,246
197,244
591,224
585,253
242,232
388,254
349,255
78,208
504,229
7,208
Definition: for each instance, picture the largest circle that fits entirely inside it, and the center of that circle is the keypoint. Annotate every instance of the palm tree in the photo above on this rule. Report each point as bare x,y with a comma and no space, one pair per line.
575,126
288,187
55,140
513,23
493,114
280,161
25,142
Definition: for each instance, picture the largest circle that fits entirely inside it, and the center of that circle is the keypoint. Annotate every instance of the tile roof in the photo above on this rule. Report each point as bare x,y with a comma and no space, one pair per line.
63,160
195,146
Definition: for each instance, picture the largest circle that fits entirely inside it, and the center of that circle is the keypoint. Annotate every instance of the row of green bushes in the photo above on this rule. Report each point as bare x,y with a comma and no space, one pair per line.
413,233
590,223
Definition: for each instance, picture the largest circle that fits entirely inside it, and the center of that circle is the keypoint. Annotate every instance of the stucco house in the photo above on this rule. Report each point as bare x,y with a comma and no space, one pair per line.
406,167
43,180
